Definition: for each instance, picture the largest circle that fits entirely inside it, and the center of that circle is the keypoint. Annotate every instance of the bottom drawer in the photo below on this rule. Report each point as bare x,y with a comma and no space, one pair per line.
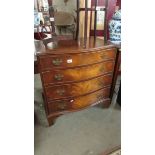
79,102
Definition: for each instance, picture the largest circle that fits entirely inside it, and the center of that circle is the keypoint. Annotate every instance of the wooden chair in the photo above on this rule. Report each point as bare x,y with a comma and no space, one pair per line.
86,9
65,20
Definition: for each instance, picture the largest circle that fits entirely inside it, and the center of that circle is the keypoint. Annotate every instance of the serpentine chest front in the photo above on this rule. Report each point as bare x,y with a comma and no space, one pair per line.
74,77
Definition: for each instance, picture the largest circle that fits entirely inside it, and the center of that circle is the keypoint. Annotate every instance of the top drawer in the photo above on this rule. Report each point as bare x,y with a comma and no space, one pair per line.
71,60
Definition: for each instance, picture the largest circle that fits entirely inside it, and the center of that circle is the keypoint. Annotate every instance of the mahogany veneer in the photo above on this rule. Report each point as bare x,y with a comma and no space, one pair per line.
75,103
58,76
62,61
77,89
76,77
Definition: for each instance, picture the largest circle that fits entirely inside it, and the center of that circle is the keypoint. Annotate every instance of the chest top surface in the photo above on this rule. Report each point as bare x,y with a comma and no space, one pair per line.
77,46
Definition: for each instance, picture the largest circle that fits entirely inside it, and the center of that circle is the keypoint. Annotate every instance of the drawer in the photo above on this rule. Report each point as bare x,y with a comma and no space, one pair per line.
79,102
59,76
71,60
78,88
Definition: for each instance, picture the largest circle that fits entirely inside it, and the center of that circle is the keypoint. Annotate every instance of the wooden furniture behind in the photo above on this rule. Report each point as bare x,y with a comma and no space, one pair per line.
74,77
65,20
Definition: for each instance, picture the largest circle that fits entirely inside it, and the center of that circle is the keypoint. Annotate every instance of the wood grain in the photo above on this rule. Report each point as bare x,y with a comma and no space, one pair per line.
79,102
59,76
71,60
76,46
74,77
77,89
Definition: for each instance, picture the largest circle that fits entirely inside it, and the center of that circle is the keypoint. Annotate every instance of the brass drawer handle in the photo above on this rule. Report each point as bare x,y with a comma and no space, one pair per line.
62,105
61,92
57,62
58,77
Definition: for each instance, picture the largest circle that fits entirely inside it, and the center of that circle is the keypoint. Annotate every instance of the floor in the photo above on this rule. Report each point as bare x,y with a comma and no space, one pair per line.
87,132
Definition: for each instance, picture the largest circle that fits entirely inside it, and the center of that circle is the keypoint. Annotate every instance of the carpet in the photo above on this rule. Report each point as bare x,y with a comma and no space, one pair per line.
113,151
87,132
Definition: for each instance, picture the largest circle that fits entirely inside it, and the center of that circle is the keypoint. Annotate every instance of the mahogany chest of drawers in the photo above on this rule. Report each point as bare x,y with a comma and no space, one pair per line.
74,77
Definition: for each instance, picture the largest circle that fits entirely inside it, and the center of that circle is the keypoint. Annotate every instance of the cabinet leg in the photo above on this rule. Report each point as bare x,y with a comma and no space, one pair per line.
51,120
106,103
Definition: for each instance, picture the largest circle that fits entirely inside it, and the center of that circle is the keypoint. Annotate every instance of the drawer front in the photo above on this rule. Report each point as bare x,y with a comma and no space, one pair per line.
77,89
77,74
71,60
79,102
